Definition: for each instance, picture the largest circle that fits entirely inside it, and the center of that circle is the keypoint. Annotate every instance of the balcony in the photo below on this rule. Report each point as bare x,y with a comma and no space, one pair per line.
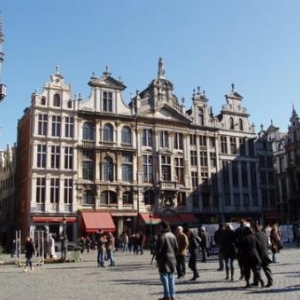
168,185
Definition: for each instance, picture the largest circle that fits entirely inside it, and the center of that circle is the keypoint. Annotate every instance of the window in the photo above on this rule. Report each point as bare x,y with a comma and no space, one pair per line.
242,146
237,201
225,171
271,177
107,169
241,125
212,142
181,199
108,133
43,101
70,104
263,178
148,168
69,158
233,145
194,158
246,200
127,172
253,177
108,198
166,167
224,144
127,198
56,100
206,200
55,156
40,189
251,147
126,135
43,124
231,123
213,159
56,124
215,201
149,198
164,139
69,127
54,190
202,139
261,161
227,199
107,101
203,158
179,169
41,156
235,174
88,131
254,199
193,140
68,190
196,200
195,179
88,165
147,139
244,174
201,117
88,197
178,141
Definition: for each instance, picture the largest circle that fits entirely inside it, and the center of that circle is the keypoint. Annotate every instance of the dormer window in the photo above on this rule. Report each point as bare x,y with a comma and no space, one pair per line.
56,100
231,126
201,117
43,101
241,125
107,101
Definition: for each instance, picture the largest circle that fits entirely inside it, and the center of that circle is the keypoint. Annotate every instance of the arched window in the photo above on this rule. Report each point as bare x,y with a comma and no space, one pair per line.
70,104
127,198
108,197
201,117
241,125
126,135
56,100
43,101
231,123
107,169
88,131
108,133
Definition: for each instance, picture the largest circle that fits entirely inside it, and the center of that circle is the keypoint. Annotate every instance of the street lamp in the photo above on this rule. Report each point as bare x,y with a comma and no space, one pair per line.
64,243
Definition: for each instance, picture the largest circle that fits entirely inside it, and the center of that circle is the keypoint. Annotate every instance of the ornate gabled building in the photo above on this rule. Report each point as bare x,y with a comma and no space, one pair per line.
98,163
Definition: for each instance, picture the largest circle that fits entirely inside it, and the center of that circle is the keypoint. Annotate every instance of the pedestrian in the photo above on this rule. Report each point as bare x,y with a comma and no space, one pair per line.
88,243
64,247
166,249
81,244
218,235
239,232
110,248
203,243
194,244
29,251
276,243
101,247
251,261
183,243
264,255
51,247
228,250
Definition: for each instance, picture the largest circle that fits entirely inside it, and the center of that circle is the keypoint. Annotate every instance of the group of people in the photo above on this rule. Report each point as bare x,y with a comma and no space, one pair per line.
105,249
249,244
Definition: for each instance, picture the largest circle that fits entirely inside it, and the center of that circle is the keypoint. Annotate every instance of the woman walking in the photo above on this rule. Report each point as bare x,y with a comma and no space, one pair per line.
29,250
276,243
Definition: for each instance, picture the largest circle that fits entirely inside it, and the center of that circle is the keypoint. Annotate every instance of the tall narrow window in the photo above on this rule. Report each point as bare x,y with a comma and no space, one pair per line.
178,141
193,140
235,174
213,159
88,197
43,124
126,137
56,100
195,179
108,133
164,139
107,101
231,123
148,168
202,139
166,167
147,139
127,172
69,127
196,201
194,158
88,131
241,125
55,157
127,198
68,190
54,190
69,158
88,165
233,145
107,169
41,156
149,198
40,189
224,144
201,117
179,169
203,158
244,174
56,126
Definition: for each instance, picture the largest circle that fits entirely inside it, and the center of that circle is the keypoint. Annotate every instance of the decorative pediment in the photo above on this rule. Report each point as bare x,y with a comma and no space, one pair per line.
107,82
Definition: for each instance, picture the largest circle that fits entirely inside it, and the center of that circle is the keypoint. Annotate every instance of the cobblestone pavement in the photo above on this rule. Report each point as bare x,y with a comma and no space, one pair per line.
134,277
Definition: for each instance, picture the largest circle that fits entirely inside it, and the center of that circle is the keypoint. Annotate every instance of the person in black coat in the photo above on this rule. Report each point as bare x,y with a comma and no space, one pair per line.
228,250
263,253
194,243
29,251
250,247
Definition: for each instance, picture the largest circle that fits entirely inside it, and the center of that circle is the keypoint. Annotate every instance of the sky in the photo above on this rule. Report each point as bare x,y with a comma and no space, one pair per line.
208,43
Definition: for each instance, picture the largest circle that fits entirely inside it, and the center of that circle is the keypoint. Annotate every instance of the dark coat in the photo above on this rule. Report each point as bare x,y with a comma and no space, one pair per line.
29,249
250,247
228,244
263,250
166,248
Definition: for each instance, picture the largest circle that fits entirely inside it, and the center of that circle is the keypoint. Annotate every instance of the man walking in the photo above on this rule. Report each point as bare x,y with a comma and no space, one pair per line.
183,244
218,237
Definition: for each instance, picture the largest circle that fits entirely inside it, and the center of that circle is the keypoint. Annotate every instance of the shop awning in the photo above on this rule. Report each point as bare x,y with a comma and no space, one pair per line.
188,217
97,221
146,218
49,219
172,219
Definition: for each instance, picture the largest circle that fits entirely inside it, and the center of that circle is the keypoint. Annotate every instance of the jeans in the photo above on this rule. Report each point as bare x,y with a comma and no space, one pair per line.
110,256
168,282
100,257
180,265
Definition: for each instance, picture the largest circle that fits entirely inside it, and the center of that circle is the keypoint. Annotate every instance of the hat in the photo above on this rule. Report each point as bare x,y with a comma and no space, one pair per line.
180,228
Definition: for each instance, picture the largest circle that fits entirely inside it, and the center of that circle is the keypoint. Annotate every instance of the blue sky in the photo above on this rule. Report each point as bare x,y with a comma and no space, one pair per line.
212,44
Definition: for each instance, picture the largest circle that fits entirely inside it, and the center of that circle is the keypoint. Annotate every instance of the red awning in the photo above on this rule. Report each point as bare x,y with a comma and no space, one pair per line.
49,219
96,221
188,217
172,219
146,218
